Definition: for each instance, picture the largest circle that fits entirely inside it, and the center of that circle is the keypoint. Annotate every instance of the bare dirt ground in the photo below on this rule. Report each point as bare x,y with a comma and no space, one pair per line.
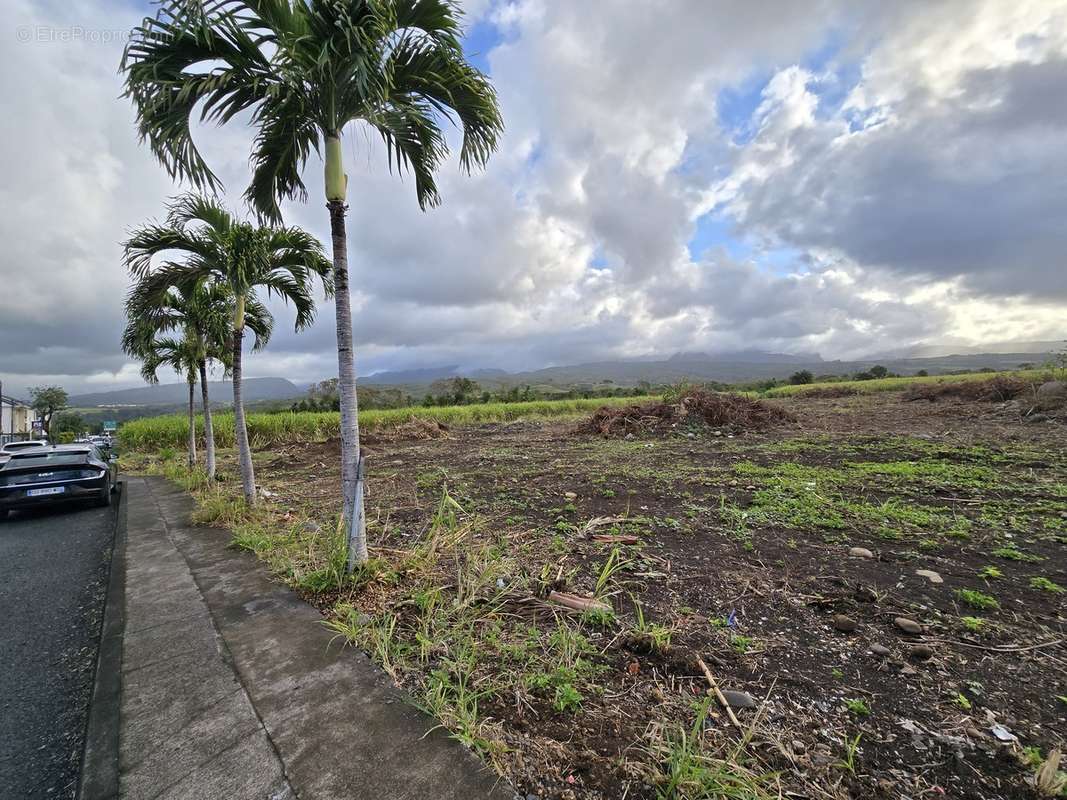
877,587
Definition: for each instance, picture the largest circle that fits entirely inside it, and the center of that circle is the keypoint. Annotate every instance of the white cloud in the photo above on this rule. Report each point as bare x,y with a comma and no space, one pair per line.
913,180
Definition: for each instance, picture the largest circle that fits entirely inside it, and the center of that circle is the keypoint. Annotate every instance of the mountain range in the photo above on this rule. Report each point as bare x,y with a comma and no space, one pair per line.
169,394
747,365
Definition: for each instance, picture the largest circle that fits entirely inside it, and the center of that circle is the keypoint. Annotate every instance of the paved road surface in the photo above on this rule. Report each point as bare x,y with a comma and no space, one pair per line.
53,571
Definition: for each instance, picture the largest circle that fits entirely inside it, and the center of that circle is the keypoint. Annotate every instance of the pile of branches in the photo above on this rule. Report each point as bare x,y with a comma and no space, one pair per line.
694,407
417,428
994,390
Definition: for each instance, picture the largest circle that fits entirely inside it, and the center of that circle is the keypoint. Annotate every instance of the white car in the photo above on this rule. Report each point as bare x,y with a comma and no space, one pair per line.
20,447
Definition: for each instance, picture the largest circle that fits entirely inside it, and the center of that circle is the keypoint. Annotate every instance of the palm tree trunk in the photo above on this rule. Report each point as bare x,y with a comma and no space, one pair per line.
244,452
209,429
351,461
192,423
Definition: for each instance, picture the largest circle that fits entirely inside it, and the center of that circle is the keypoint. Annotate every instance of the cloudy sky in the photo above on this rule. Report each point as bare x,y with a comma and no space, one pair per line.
834,177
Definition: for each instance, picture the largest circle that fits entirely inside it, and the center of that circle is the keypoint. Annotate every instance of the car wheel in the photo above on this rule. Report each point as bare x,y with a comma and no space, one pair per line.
105,496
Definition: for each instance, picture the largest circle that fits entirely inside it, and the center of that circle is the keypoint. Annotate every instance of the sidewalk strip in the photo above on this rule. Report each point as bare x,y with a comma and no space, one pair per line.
256,686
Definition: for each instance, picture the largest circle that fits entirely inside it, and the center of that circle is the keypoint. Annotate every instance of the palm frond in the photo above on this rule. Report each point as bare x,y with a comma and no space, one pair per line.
148,241
193,54
259,320
441,78
286,135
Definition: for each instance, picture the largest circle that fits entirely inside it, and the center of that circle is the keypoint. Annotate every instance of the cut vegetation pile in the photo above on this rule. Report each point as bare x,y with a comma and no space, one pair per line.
995,390
694,407
415,428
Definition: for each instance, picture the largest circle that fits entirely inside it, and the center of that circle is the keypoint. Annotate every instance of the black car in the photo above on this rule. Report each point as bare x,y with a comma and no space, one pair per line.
57,474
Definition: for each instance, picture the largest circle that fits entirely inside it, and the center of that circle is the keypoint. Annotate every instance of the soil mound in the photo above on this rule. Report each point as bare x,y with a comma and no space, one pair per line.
694,407
994,390
827,392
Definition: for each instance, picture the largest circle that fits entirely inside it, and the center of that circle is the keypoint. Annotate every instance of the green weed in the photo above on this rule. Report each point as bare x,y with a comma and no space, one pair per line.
977,600
1012,553
858,708
1045,585
689,772
848,763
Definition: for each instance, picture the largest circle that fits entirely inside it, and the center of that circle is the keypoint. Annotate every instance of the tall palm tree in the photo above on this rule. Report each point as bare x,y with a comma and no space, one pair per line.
181,356
306,69
220,249
201,314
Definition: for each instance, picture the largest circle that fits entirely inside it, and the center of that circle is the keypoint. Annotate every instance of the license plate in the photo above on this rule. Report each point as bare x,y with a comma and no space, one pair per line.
39,492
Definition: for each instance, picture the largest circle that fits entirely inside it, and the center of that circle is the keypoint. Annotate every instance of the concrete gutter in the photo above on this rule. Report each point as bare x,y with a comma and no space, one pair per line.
100,759
232,687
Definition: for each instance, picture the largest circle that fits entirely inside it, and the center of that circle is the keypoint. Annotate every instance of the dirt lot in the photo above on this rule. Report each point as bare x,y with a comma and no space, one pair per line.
877,587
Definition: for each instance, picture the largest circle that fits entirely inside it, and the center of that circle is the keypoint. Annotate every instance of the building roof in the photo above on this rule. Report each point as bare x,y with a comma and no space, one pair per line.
12,401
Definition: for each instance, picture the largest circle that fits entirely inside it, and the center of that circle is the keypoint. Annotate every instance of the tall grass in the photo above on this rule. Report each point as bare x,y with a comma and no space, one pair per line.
151,433
899,384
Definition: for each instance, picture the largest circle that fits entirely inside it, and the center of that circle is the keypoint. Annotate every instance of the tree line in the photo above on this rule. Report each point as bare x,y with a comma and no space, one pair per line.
458,391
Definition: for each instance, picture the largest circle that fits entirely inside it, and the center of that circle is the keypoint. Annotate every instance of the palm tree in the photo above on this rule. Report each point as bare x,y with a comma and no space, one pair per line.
305,69
201,314
181,356
220,249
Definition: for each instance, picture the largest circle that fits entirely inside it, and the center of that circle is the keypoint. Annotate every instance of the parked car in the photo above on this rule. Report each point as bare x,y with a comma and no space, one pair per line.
17,447
56,474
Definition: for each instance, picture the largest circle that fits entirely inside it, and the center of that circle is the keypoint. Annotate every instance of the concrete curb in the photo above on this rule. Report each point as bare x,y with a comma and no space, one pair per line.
334,722
99,778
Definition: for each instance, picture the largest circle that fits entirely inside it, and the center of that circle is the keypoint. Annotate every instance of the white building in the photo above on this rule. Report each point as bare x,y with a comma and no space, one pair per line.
16,419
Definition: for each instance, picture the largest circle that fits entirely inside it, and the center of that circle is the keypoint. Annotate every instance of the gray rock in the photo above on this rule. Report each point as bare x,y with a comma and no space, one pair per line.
908,625
312,527
860,552
843,623
921,652
736,699
930,575
880,650
1051,395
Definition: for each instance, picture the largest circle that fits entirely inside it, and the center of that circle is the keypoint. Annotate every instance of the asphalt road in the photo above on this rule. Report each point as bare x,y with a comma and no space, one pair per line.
53,580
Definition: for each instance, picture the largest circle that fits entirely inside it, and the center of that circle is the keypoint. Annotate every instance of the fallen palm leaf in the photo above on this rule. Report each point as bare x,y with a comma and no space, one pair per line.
597,522
616,538
577,602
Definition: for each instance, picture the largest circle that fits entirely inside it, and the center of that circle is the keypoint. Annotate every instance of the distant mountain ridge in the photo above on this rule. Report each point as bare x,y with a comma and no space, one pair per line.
167,394
725,368
731,367
749,357
1001,348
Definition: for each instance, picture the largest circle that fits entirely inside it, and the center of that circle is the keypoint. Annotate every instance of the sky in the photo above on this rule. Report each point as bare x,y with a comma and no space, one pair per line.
841,178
